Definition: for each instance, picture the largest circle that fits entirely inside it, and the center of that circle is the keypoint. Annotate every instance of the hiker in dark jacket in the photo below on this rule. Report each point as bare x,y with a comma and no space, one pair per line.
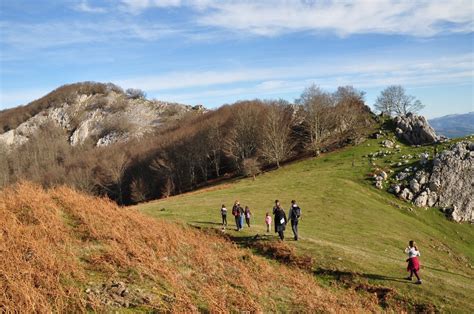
236,211
294,215
275,208
280,222
248,214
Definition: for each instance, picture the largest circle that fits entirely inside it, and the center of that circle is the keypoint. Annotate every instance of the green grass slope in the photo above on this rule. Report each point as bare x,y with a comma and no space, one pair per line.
348,225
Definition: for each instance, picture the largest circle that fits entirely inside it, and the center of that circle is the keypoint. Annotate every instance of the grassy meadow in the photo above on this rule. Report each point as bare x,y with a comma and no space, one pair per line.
347,226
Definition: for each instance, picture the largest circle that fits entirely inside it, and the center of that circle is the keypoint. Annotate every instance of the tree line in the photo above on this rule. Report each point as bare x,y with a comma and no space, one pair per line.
244,138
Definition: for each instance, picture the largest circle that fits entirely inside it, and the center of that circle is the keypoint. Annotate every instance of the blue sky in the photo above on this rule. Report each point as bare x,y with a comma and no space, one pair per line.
215,52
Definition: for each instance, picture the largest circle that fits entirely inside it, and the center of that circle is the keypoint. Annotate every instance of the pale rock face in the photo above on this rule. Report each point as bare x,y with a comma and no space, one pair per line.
387,144
421,200
432,199
415,186
406,194
105,118
415,129
452,179
87,128
396,188
12,138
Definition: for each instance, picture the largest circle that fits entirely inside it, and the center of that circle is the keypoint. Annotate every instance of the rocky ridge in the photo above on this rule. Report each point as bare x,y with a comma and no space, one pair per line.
429,178
104,118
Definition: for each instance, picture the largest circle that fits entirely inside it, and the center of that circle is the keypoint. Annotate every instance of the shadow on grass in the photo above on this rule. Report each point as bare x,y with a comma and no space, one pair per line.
269,246
213,223
346,275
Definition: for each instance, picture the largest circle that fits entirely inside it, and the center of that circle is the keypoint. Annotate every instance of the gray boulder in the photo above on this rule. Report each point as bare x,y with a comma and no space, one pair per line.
415,186
452,180
415,129
387,144
406,195
421,200
432,198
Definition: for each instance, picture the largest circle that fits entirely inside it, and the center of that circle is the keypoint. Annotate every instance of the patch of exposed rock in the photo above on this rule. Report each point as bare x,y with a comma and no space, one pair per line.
448,185
103,118
415,129
117,294
452,179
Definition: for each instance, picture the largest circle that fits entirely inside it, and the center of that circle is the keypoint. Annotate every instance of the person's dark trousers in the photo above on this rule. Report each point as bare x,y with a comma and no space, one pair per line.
281,234
248,221
224,220
237,222
294,227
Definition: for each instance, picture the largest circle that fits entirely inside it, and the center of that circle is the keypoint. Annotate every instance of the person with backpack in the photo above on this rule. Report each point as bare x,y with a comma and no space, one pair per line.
247,215
224,216
413,261
236,211
294,215
280,221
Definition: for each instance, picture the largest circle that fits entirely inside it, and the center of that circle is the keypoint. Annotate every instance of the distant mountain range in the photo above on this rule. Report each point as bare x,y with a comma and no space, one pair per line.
454,125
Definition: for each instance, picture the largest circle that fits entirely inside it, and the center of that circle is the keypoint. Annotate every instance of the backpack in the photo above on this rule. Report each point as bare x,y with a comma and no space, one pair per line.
295,213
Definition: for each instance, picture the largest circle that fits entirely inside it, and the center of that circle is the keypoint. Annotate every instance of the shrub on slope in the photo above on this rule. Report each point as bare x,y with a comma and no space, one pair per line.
54,243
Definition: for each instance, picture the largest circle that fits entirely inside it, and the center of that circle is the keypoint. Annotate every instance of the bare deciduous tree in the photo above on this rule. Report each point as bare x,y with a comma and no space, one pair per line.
244,138
349,108
276,132
394,101
317,105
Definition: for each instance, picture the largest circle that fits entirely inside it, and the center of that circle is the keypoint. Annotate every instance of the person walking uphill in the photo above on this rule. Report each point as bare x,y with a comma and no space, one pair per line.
236,211
275,209
247,215
280,222
294,215
224,216
413,262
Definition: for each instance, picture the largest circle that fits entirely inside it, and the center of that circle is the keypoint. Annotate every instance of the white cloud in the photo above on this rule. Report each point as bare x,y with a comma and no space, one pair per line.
367,73
84,6
274,17
54,34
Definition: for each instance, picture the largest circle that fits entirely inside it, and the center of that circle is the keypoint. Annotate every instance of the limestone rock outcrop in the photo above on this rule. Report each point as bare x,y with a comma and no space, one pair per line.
415,129
103,118
452,180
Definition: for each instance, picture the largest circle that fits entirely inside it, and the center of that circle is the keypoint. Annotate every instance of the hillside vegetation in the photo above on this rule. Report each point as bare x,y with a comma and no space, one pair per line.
355,232
105,141
63,251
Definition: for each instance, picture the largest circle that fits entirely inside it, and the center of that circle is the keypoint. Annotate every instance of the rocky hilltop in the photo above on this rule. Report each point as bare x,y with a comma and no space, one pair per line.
439,175
101,113
415,129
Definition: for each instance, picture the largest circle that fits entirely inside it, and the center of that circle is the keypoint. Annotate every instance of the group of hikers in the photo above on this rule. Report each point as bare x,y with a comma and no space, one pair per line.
279,217
280,220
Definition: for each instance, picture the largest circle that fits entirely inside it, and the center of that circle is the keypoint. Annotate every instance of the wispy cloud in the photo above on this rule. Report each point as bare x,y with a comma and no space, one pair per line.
84,6
63,33
365,73
407,17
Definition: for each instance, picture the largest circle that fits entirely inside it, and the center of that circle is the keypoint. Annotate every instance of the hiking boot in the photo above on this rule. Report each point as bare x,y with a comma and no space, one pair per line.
409,278
418,282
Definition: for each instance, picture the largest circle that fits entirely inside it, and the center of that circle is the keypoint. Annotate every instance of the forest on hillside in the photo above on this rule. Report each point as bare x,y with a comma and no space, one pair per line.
241,139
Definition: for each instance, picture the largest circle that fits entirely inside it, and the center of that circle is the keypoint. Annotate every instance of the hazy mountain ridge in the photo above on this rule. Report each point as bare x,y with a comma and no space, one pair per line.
455,125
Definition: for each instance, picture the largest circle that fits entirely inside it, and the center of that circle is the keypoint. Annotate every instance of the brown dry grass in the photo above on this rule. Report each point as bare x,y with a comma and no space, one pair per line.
54,242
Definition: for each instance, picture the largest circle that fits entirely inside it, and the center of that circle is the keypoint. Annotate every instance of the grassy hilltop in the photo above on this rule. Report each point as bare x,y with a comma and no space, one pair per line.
353,231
